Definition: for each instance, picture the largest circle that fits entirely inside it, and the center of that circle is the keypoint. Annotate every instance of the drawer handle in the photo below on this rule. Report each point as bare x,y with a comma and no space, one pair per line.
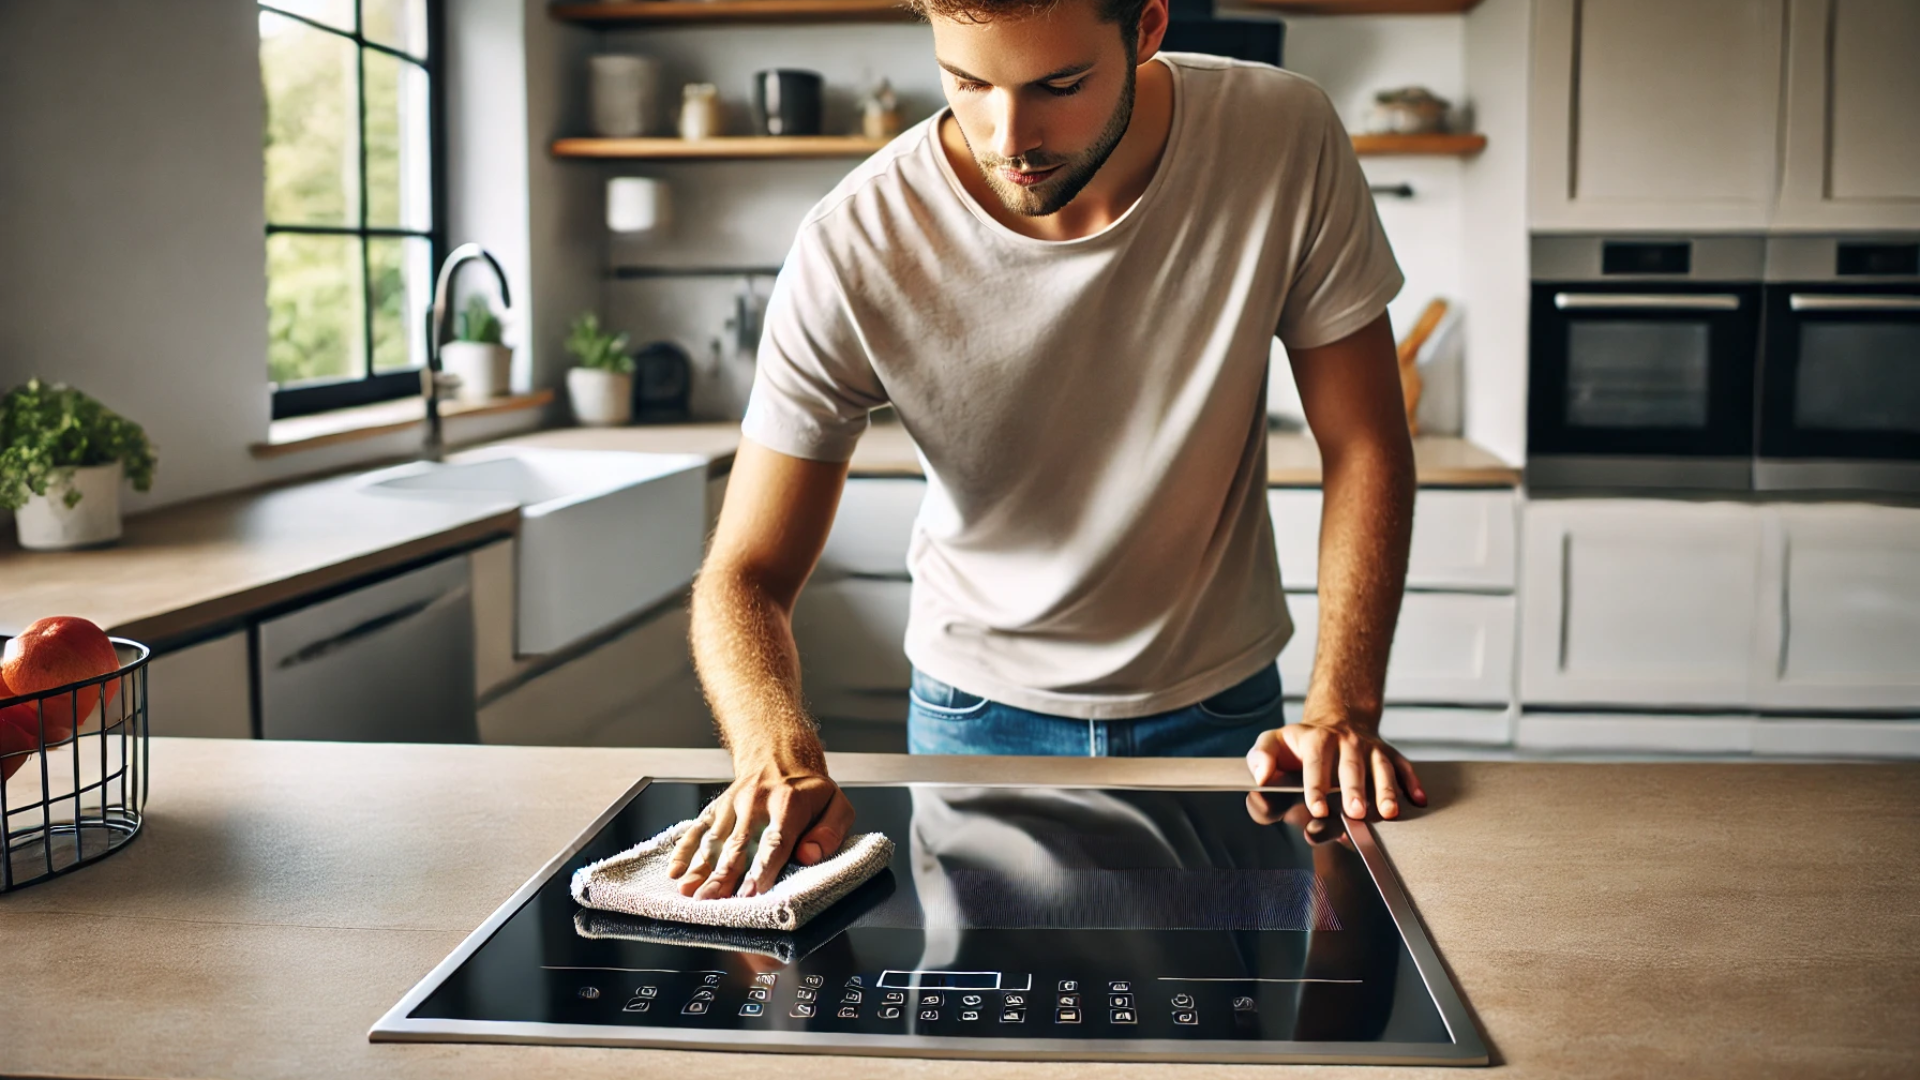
1645,302
306,654
1829,302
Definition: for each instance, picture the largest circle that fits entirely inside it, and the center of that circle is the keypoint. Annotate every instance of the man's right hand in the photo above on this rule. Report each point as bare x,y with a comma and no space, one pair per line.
770,813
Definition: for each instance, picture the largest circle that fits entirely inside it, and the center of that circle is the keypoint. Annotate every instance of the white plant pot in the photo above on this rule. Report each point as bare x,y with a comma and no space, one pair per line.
47,523
485,371
600,398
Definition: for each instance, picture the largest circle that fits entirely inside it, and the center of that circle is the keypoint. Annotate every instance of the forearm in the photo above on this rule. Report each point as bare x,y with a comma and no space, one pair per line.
749,669
1365,527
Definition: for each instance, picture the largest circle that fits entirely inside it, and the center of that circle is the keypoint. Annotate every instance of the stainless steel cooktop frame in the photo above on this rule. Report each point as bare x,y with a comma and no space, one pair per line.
1465,1049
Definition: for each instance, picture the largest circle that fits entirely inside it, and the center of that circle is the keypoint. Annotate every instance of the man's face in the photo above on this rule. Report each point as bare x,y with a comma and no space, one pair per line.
1041,101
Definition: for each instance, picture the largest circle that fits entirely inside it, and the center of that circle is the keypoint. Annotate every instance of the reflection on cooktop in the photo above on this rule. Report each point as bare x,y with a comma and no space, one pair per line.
1060,923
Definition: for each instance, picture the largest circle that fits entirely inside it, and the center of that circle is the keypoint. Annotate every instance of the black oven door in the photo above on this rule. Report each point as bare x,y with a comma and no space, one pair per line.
1840,388
1642,386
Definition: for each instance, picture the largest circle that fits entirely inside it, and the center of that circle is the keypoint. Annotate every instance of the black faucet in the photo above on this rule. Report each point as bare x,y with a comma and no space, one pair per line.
434,446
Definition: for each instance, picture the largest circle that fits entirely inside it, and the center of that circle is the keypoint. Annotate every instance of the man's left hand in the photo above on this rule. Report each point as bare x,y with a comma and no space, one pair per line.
1320,751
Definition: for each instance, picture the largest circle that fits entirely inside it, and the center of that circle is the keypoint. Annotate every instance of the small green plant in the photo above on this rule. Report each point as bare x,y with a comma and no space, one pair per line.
478,323
49,430
595,348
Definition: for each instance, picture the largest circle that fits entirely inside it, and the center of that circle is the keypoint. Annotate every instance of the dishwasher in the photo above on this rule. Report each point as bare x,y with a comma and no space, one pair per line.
388,662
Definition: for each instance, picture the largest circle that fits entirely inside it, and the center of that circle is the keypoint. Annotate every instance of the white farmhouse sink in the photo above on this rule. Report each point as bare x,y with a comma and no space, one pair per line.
603,534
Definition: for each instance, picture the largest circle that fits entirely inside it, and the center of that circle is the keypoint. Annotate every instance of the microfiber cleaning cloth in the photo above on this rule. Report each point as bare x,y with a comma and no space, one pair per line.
635,882
780,945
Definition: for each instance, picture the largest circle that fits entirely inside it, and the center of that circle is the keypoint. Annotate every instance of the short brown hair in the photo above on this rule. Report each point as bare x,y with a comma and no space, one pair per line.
1124,12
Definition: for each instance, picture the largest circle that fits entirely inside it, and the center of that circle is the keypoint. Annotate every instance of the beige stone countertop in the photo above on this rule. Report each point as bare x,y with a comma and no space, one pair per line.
1293,459
184,568
1600,920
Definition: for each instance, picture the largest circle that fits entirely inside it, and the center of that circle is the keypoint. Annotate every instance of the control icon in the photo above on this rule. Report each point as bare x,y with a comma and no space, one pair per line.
589,992
804,994
711,979
929,1014
694,1008
969,1014
811,980
646,991
767,978
1014,999
889,1012
1119,1001
1066,1016
852,997
1186,1017
1069,999
1122,1016
1243,1004
849,1012
854,980
1120,986
758,993
970,1000
1068,985
1183,1001
933,999
802,1010
1013,1016
637,1005
894,997
703,994
751,1008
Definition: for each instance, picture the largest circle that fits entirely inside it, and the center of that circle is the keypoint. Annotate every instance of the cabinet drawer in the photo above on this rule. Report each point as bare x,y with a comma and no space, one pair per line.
852,635
1461,539
1449,648
1601,733
202,690
872,529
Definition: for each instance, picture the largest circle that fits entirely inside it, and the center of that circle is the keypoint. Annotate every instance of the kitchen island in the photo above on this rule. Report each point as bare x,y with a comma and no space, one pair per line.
1599,919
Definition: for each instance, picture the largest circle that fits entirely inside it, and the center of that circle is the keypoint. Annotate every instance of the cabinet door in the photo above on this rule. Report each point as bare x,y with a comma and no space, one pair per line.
202,690
1840,610
1654,113
1852,152
1448,648
1462,539
1639,602
851,634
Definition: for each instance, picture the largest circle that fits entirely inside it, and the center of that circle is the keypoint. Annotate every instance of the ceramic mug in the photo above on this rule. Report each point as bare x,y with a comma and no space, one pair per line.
625,94
787,101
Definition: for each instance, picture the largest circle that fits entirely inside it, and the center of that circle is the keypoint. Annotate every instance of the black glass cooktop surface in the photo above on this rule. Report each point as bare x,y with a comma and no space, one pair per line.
1014,922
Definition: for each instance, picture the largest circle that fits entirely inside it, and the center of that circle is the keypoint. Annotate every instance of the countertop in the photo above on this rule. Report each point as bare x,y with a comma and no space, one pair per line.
1293,459
1624,920
184,569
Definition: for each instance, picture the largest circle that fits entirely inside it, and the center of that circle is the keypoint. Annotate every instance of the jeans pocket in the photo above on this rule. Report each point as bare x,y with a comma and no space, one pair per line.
1246,701
939,699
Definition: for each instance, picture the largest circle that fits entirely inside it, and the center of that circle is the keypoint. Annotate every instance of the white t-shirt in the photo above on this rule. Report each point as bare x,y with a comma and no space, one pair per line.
1090,413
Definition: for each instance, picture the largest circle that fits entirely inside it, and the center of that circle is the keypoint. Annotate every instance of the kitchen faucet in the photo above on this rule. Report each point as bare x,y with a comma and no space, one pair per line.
431,380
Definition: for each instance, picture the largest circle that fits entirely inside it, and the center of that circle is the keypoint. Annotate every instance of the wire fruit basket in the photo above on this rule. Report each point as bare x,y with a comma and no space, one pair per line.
75,765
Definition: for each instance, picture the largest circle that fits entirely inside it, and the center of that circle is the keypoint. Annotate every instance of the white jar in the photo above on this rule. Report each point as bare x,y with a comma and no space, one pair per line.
625,95
47,523
700,111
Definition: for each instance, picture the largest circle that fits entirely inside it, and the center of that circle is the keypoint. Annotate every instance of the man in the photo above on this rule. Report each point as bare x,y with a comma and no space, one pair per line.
1067,284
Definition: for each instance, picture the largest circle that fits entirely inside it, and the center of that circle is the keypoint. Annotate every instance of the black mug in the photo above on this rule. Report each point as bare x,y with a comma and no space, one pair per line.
787,102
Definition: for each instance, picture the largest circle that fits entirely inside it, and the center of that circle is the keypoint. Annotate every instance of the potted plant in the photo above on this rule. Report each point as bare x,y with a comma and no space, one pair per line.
62,457
483,365
601,388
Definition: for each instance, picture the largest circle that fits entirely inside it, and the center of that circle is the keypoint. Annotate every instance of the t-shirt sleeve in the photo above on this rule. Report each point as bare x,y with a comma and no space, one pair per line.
813,384
1345,273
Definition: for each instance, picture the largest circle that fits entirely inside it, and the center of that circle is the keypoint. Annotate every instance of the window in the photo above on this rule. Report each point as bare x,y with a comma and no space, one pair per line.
354,197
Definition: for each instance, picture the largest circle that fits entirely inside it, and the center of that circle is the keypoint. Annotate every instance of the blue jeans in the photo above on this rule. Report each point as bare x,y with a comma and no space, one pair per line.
944,720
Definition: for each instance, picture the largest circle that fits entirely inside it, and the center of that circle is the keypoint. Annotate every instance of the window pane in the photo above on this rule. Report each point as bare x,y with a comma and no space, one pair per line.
316,308
1858,376
332,12
1637,374
402,290
398,24
399,176
312,151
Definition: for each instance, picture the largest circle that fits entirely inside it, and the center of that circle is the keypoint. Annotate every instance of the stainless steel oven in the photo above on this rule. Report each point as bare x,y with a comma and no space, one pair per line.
1839,403
1642,362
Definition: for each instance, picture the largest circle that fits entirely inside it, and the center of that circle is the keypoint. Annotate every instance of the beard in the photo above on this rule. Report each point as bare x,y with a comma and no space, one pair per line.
1074,172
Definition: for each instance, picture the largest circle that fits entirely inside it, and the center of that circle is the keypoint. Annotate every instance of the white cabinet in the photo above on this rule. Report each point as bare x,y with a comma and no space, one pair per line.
1654,114
1639,602
872,528
1448,648
494,658
202,690
1840,616
1463,539
851,634
1851,157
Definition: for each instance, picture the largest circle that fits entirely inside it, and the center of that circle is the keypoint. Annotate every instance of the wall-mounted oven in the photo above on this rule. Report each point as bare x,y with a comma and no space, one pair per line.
1642,362
1839,401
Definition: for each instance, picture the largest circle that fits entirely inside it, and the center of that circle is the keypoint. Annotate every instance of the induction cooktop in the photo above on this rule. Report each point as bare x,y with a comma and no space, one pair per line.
1038,923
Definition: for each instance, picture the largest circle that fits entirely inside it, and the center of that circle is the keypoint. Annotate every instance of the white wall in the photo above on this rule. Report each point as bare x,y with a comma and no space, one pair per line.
132,251
1495,262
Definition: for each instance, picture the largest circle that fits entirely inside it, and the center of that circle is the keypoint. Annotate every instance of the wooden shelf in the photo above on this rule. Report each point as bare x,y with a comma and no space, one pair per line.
1357,7
1401,145
722,148
683,12
831,146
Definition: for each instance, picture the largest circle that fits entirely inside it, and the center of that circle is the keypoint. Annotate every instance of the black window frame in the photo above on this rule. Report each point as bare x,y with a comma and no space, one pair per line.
369,387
